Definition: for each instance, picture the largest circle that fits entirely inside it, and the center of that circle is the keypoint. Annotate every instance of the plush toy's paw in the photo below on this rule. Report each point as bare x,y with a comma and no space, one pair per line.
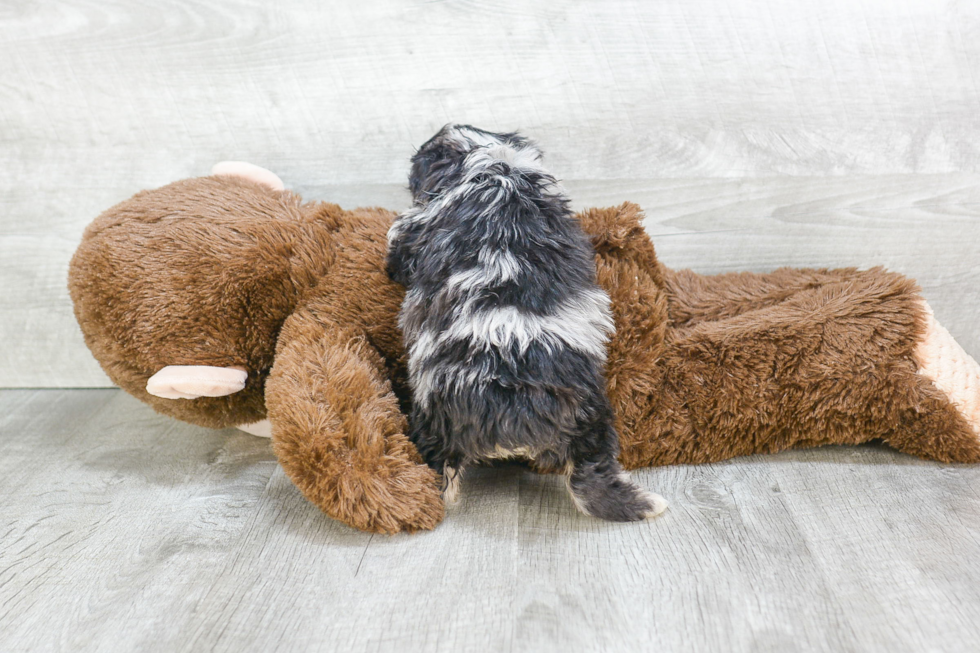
262,428
416,501
387,494
248,171
193,381
400,496
951,369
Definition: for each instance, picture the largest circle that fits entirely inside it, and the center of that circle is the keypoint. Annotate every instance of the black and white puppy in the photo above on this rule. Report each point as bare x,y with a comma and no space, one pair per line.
504,323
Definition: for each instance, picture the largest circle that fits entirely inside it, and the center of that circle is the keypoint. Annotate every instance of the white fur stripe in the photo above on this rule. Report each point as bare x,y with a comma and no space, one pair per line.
425,213
583,322
521,159
495,267
459,375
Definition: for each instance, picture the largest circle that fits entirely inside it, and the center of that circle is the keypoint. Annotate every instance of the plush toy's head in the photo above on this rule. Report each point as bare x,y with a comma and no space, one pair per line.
442,160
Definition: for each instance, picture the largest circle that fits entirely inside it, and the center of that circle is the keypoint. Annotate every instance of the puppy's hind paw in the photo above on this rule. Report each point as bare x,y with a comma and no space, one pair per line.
612,496
657,504
451,481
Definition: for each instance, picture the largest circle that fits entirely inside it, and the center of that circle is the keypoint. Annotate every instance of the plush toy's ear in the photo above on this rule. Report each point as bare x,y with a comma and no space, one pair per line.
193,381
248,171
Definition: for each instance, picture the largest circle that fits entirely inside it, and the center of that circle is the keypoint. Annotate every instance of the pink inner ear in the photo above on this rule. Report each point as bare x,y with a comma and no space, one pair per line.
248,171
193,381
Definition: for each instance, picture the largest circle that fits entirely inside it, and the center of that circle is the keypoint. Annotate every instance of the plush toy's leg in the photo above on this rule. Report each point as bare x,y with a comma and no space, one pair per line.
248,171
950,368
703,368
832,364
696,298
339,433
194,381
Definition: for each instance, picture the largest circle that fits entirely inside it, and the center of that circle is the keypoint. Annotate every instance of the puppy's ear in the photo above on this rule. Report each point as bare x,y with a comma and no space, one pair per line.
433,170
420,170
518,142
400,260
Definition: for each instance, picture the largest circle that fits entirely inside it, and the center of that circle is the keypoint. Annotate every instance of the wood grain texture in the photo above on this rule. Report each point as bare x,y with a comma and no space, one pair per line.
703,101
340,92
124,530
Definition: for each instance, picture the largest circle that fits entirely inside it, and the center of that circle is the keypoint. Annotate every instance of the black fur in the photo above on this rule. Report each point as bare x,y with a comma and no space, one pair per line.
503,320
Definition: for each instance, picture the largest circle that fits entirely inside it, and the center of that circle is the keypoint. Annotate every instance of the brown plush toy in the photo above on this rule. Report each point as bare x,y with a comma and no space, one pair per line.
224,300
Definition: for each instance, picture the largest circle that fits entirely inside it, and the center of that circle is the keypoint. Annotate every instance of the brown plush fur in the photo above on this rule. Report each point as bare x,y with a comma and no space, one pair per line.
704,368
220,271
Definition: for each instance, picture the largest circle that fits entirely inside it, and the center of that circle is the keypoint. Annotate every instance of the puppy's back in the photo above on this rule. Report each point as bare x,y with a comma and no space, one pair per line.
505,324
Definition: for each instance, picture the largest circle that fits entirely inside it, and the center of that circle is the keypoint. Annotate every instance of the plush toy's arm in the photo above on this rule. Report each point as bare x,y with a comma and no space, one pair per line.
338,431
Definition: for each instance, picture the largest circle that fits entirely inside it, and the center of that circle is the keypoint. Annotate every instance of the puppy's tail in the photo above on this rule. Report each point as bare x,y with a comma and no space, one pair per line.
602,489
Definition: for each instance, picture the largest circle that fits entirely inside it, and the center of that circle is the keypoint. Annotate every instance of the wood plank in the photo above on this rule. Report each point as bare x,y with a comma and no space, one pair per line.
111,90
449,590
124,530
112,517
831,549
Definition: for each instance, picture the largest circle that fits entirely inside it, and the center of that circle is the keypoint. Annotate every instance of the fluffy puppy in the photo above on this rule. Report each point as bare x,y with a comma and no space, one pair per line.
504,323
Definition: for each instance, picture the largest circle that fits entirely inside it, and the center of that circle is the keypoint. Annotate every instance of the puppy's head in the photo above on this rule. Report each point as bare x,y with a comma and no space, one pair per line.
442,159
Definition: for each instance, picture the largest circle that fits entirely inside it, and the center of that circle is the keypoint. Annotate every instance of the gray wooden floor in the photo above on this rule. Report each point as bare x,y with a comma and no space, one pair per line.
126,531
